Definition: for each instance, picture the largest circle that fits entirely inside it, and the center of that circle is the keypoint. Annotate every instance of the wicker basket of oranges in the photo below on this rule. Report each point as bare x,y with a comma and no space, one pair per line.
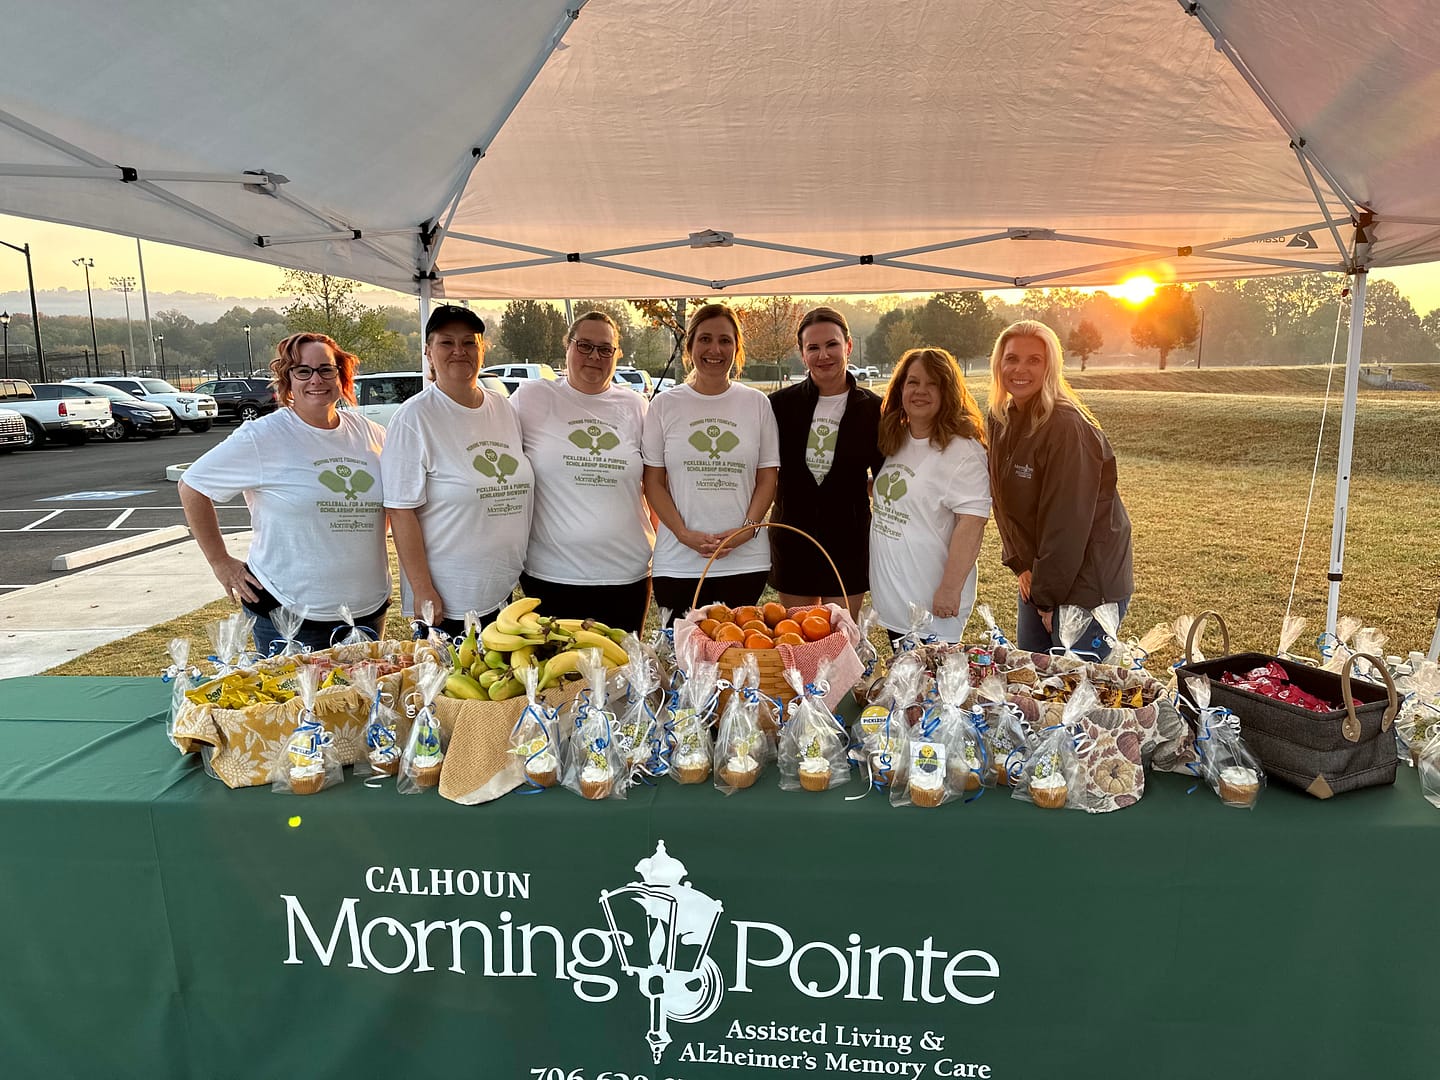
803,638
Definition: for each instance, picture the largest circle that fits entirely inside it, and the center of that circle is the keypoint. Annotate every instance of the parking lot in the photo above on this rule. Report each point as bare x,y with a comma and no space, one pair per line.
61,499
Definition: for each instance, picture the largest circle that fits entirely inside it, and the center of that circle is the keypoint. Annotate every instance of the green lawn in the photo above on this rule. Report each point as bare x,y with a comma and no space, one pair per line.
1216,485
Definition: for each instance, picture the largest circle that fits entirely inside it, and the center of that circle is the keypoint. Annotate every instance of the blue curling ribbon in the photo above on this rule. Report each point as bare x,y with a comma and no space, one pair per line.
1327,643
1138,656
365,631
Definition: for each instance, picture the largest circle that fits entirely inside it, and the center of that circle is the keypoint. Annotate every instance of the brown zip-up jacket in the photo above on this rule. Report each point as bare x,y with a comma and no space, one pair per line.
1057,510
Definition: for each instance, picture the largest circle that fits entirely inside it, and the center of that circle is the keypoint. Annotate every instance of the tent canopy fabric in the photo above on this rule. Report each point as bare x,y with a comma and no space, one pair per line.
534,148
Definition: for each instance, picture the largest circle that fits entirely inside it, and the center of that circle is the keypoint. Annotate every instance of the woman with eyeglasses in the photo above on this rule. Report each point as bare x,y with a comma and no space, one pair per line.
310,473
457,483
591,535
712,455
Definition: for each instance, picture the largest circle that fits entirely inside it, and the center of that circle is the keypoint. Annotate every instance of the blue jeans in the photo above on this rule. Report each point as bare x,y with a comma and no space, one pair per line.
314,634
1031,635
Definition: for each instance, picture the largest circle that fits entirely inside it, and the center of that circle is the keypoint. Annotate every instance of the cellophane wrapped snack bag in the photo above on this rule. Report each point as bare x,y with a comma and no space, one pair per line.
993,633
355,635
662,643
873,671
812,751
181,674
943,758
1006,742
424,754
1052,777
593,766
535,738
287,622
643,712
695,713
743,746
879,733
382,723
1291,627
1071,622
1419,717
1226,763
918,632
309,762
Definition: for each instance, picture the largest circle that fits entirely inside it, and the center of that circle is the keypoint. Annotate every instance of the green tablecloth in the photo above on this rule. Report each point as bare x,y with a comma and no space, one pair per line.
158,924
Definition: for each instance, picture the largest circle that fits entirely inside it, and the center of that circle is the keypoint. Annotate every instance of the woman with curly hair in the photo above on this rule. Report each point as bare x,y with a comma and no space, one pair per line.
1065,532
932,497
310,473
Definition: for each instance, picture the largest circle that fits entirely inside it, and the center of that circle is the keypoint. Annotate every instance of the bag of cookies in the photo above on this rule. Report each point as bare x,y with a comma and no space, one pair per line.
1052,777
1001,725
690,724
813,745
879,733
309,761
594,768
382,723
535,737
872,670
743,746
424,753
1226,763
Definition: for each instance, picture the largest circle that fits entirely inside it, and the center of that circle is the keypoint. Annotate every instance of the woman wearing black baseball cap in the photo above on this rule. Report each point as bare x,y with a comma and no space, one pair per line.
458,486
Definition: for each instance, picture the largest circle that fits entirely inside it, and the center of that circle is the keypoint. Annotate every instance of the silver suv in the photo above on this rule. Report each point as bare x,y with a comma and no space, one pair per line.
512,375
195,411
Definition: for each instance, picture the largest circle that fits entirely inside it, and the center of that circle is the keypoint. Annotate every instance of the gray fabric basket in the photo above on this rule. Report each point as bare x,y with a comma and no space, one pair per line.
1322,754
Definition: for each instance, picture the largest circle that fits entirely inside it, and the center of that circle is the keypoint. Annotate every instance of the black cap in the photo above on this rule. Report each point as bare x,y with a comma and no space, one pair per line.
446,314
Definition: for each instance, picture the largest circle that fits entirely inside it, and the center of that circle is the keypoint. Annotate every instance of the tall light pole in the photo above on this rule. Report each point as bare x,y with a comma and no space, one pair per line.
34,308
1200,345
248,351
5,325
126,285
160,340
94,342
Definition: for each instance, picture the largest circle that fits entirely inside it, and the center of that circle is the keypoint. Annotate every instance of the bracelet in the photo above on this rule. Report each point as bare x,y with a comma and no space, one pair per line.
750,523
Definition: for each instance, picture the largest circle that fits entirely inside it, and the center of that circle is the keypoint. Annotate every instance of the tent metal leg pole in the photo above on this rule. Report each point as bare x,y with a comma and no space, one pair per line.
424,303
1347,441
1434,653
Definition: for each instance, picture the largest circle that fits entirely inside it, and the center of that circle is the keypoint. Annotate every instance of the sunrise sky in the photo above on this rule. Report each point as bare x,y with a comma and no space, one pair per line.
205,286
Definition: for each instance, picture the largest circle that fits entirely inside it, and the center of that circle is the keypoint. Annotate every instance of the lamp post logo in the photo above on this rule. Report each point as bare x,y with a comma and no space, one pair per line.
662,928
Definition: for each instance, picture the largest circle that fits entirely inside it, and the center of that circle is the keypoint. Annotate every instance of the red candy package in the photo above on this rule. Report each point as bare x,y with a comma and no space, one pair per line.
1271,681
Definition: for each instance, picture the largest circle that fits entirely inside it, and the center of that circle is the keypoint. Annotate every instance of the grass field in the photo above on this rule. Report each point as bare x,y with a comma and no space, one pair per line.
1216,484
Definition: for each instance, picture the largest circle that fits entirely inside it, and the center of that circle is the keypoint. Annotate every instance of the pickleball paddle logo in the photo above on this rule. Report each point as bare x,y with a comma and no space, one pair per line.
343,480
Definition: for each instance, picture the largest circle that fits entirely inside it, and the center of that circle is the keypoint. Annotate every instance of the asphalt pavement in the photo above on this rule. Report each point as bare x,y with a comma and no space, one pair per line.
59,500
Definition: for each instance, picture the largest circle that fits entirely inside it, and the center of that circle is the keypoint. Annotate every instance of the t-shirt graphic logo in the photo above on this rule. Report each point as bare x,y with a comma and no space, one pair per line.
352,483
499,467
822,439
891,486
714,442
595,439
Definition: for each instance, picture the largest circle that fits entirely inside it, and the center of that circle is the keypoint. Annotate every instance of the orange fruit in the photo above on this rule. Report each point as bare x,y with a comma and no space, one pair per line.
757,625
814,627
748,613
729,632
720,613
787,626
819,612
708,628
773,612
755,640
789,639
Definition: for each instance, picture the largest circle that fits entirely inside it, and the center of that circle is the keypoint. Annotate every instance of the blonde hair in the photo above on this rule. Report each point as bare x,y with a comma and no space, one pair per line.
1053,387
714,311
958,417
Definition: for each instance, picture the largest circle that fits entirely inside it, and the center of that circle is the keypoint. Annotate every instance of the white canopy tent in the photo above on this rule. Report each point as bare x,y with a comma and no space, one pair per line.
609,148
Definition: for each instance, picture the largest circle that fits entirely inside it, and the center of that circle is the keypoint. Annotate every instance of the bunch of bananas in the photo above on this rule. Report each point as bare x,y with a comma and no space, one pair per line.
488,665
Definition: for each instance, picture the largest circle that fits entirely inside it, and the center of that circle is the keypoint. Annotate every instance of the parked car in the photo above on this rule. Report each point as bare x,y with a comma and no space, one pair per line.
195,411
512,375
241,399
634,379
132,416
379,394
864,374
13,431
661,385
52,417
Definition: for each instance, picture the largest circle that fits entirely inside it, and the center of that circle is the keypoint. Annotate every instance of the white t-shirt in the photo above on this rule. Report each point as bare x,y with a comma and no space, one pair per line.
917,495
824,432
710,447
590,526
465,474
316,508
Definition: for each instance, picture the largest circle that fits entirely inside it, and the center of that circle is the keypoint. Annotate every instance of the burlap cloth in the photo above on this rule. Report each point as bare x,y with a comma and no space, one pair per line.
246,742
478,764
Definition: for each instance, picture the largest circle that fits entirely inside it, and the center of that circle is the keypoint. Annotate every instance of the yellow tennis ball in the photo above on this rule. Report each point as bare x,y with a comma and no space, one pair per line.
295,822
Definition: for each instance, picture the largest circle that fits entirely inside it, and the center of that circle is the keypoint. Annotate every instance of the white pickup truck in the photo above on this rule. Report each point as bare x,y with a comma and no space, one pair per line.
70,419
195,411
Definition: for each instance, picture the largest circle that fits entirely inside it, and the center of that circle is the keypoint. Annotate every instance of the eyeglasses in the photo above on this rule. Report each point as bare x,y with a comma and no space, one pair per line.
585,348
302,373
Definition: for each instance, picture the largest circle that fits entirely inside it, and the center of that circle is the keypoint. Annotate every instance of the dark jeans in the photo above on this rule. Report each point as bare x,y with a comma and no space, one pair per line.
316,634
735,590
455,628
1031,635
620,606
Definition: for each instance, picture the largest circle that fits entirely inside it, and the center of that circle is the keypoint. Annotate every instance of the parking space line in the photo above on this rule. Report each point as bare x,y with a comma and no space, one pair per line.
47,517
124,514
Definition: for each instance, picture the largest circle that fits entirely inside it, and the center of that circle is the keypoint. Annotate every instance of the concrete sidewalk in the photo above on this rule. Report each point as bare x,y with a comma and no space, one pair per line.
48,624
